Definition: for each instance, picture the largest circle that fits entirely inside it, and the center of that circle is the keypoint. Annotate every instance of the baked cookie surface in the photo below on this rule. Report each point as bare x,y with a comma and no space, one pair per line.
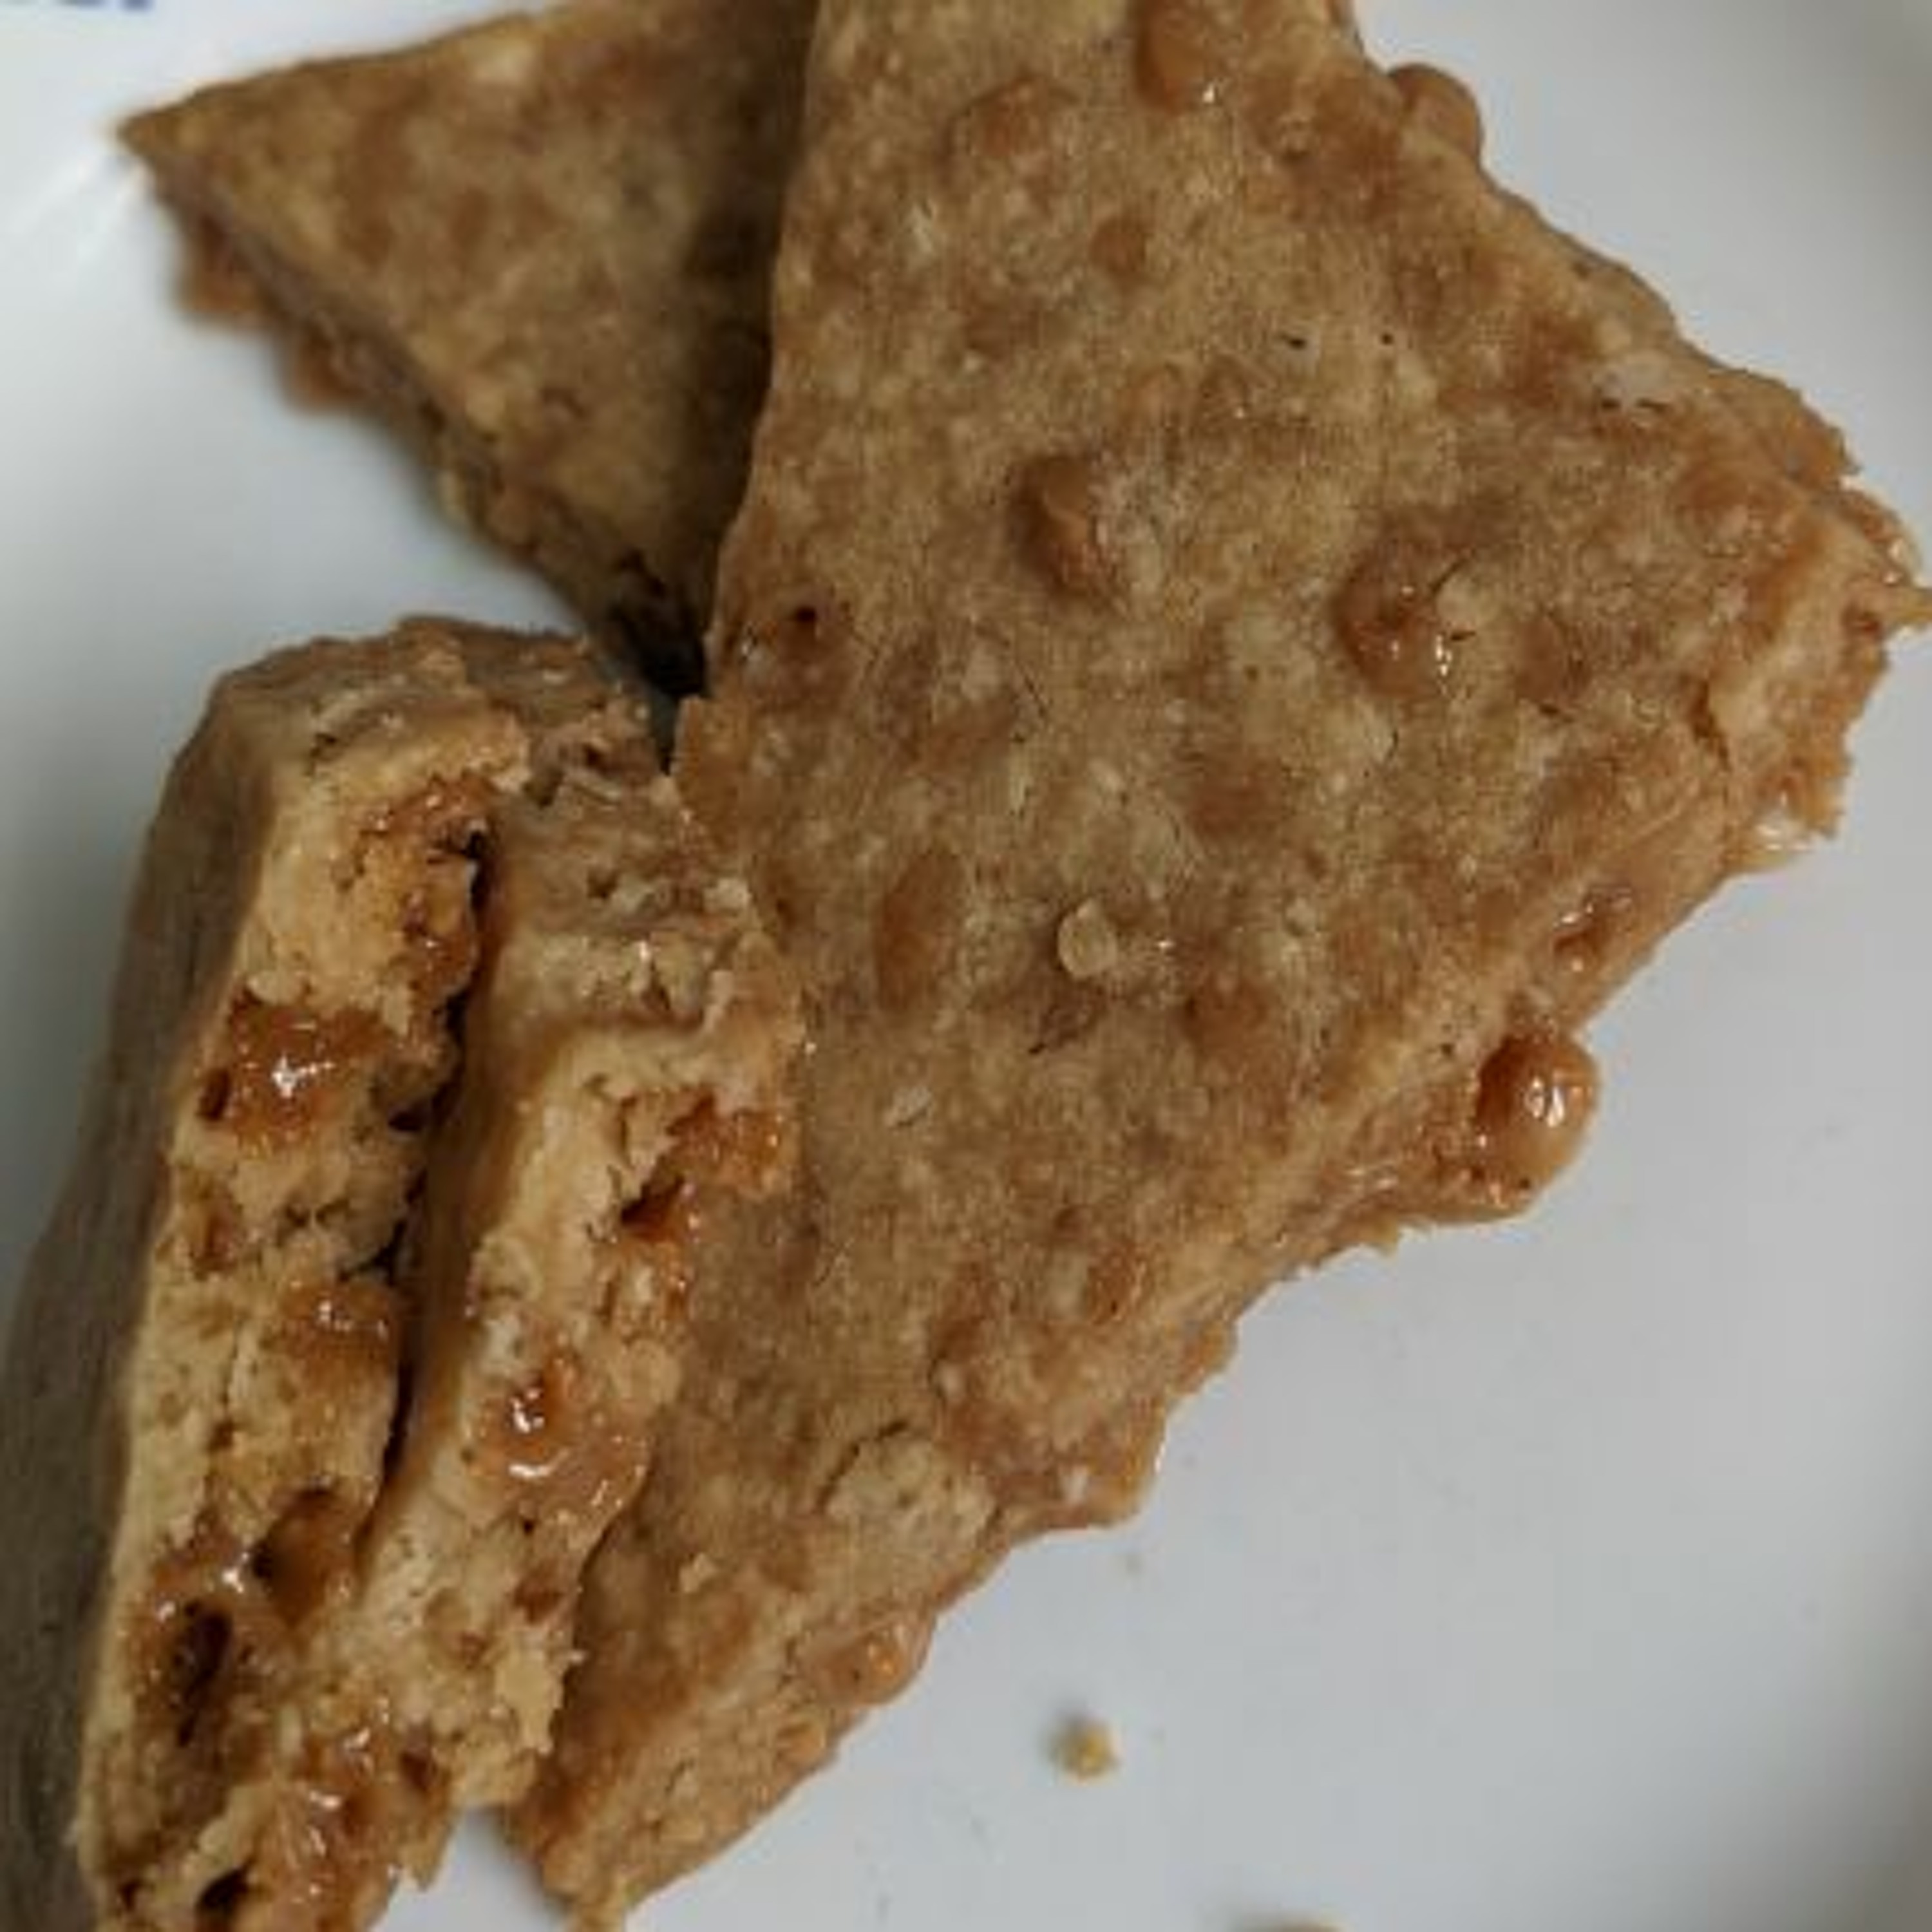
1240,639
541,248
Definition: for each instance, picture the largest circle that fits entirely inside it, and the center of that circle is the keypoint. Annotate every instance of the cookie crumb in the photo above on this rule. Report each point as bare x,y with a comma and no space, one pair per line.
1086,1750
1087,945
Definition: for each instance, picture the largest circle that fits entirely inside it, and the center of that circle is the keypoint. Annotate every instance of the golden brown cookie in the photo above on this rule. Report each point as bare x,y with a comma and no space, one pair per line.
437,1032
541,248
1240,638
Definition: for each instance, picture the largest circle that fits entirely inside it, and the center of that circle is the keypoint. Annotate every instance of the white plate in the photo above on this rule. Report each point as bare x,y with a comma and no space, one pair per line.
1576,1575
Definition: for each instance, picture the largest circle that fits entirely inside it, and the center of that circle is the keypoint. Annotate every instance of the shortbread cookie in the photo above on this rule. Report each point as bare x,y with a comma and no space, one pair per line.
209,1334
1240,639
313,1473
541,248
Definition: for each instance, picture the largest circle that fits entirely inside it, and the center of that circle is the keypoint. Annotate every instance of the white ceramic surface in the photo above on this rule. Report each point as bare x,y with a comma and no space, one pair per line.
1576,1575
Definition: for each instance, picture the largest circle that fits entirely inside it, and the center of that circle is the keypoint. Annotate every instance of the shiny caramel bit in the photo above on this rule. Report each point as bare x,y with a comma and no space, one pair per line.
1390,615
347,1328
186,1662
309,1853
282,1068
1179,58
554,1443
1440,103
304,1560
535,1424
1534,1105
1060,507
415,846
447,812
328,1839
205,1610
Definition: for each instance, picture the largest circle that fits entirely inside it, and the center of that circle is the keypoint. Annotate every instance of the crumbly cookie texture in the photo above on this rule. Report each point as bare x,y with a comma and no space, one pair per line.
437,1029
1240,638
208,1331
542,249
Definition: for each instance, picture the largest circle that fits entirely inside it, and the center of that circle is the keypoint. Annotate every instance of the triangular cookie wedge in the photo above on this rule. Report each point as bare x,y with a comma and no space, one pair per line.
1240,639
540,249
309,1466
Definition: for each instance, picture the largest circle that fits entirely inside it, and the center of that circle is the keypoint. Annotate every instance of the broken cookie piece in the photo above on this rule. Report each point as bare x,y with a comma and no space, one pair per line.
203,1366
541,248
1240,639
320,1463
